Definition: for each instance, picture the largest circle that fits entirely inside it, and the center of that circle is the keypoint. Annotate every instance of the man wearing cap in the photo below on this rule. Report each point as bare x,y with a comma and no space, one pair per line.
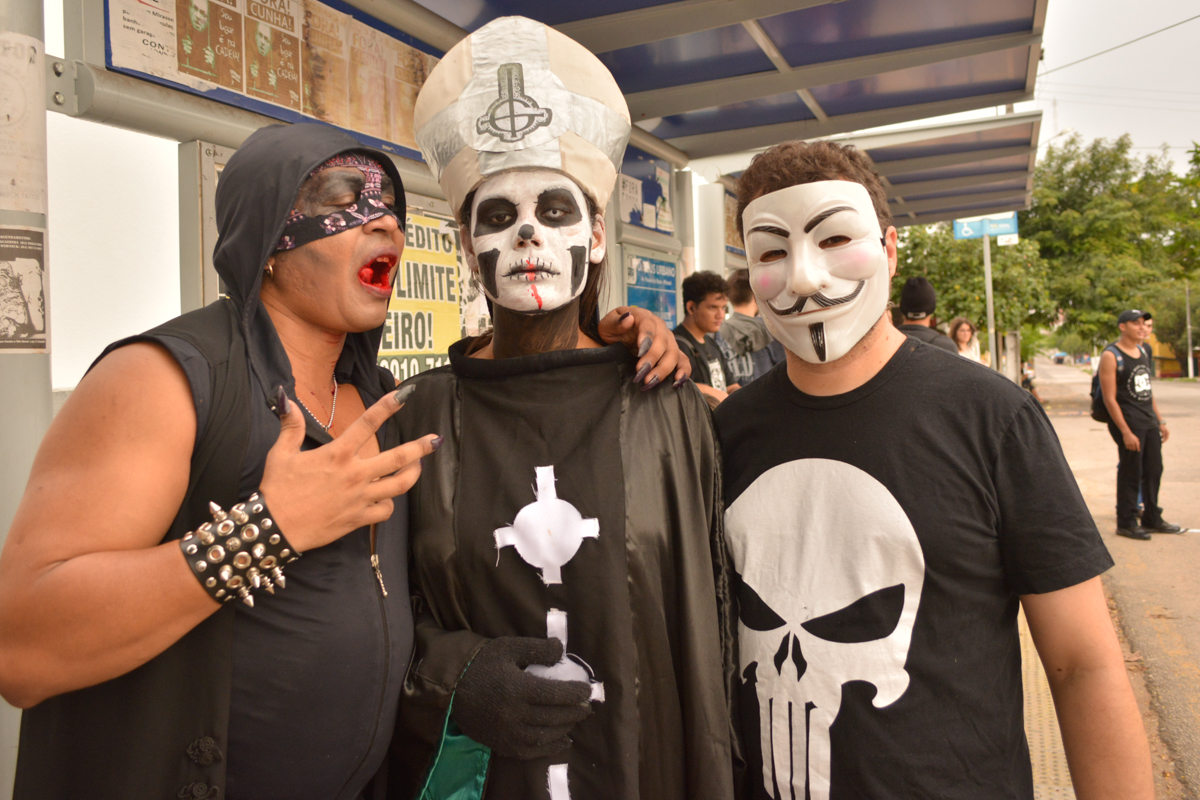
917,303
1136,425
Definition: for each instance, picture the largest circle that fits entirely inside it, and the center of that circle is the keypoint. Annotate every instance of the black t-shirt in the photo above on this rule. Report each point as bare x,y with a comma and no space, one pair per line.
882,538
1134,395
708,363
930,336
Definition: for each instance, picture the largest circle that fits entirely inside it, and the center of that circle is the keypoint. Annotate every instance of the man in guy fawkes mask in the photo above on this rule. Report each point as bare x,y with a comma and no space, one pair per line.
889,506
569,633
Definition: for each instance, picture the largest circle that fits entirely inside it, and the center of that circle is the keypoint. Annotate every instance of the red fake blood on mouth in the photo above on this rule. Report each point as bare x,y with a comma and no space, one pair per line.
536,296
530,273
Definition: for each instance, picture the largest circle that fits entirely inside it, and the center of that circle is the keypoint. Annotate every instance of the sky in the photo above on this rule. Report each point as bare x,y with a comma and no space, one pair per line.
1147,89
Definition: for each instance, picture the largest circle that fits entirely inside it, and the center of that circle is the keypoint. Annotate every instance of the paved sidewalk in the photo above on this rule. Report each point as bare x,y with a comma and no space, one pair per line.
1153,583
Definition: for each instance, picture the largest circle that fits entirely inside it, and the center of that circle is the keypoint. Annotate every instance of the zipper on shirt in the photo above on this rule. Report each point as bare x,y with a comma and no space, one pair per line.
375,562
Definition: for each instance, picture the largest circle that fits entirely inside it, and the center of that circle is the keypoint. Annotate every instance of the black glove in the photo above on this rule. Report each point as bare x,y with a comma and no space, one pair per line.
516,714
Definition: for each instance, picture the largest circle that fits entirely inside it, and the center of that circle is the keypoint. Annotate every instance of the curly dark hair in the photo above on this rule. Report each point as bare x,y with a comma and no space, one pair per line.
701,284
794,163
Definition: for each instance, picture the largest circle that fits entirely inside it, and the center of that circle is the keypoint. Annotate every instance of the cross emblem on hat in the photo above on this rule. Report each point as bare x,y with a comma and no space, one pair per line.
514,114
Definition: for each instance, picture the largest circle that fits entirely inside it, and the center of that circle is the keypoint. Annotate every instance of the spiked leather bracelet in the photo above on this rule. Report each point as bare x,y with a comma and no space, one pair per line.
239,551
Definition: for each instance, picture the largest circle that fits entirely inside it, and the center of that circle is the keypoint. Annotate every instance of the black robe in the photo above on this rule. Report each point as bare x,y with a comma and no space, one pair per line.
646,612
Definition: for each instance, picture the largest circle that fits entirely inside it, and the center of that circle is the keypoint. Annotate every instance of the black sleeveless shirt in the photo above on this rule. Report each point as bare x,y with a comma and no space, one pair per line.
1134,394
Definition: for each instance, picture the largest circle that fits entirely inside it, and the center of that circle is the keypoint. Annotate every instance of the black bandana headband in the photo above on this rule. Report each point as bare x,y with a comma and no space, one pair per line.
301,229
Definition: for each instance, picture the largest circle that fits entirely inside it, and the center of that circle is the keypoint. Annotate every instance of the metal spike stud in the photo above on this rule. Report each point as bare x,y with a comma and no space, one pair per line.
201,566
247,598
225,573
277,574
254,577
218,514
259,550
266,584
239,514
206,538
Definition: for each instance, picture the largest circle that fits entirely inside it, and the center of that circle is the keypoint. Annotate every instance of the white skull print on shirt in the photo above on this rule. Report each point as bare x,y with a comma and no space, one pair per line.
831,577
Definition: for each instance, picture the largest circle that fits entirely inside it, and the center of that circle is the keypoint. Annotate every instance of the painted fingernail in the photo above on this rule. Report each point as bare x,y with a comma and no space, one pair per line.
641,373
281,403
650,384
623,316
404,392
436,442
644,347
680,382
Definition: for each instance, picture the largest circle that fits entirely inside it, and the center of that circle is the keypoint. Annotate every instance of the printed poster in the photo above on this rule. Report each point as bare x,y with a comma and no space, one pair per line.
644,192
22,124
272,47
23,287
650,284
733,241
283,58
424,316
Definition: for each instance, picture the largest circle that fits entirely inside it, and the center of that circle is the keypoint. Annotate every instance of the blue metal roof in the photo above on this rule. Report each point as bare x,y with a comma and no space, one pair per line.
714,76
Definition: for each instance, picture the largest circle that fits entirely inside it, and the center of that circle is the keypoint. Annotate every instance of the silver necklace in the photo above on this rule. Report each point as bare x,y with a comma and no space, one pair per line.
332,410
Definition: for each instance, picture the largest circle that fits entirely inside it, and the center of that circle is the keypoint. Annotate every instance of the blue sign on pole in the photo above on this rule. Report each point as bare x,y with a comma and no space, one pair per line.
993,226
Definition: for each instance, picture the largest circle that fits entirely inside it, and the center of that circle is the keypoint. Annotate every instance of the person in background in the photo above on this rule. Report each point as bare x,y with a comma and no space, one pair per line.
918,300
705,298
1137,427
755,351
963,334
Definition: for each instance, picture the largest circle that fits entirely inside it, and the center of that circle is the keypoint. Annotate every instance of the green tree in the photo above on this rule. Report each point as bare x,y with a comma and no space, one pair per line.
1020,278
1106,222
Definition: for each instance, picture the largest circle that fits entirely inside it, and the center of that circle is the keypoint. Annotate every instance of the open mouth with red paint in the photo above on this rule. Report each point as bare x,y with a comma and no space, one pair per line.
376,274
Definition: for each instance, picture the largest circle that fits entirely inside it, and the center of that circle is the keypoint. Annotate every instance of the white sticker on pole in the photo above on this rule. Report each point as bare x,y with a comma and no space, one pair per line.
1008,238
22,123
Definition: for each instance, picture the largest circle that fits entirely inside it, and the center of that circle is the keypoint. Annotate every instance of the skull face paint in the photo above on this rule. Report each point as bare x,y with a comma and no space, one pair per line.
532,240
831,586
818,266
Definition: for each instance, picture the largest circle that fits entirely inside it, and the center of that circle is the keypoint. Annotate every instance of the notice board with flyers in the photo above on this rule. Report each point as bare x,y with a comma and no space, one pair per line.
292,60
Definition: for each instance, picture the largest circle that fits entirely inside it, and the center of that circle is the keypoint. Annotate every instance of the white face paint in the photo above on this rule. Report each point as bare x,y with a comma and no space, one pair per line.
818,266
532,237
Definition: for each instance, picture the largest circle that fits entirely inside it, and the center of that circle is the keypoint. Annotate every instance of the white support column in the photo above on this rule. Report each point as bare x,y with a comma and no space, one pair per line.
25,392
993,350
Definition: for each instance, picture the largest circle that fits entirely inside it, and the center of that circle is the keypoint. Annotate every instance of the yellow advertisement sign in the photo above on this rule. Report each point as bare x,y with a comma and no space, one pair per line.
423,316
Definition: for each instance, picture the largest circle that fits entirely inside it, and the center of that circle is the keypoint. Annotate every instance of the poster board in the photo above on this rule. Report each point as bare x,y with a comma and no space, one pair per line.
651,281
644,192
291,60
733,241
425,313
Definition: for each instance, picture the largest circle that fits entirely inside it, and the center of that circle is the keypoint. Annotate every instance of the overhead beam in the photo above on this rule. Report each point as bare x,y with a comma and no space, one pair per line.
946,216
732,141
925,133
645,25
903,165
939,203
949,184
414,19
710,94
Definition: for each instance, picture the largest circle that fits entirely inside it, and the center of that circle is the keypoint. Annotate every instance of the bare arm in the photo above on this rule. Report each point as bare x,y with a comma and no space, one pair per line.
1101,726
1108,390
1162,426
87,592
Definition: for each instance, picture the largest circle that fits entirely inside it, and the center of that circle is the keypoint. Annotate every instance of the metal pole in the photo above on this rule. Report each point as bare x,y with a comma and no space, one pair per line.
991,314
25,393
1187,310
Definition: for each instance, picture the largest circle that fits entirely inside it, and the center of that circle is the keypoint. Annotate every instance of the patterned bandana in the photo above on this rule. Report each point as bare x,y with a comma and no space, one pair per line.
301,229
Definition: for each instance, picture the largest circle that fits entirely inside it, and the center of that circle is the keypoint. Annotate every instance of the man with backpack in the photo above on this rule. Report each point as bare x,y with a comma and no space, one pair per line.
1135,425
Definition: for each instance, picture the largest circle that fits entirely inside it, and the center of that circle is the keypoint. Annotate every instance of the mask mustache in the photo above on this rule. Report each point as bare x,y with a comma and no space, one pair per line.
820,300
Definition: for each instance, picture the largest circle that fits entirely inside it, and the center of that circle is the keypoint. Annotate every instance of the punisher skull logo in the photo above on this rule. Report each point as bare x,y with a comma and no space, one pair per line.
832,573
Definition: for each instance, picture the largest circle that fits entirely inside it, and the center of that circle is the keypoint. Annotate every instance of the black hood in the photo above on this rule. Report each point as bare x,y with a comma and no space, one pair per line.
255,193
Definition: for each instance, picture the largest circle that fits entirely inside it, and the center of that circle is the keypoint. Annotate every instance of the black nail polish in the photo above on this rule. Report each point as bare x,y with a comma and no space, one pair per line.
404,392
623,316
281,403
644,347
436,442
650,384
680,382
642,373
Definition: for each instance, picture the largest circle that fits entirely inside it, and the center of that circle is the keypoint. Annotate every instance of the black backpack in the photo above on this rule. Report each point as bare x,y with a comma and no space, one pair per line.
1099,410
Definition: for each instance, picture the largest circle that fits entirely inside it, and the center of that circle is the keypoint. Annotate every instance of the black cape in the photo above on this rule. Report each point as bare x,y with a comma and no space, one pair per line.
646,611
